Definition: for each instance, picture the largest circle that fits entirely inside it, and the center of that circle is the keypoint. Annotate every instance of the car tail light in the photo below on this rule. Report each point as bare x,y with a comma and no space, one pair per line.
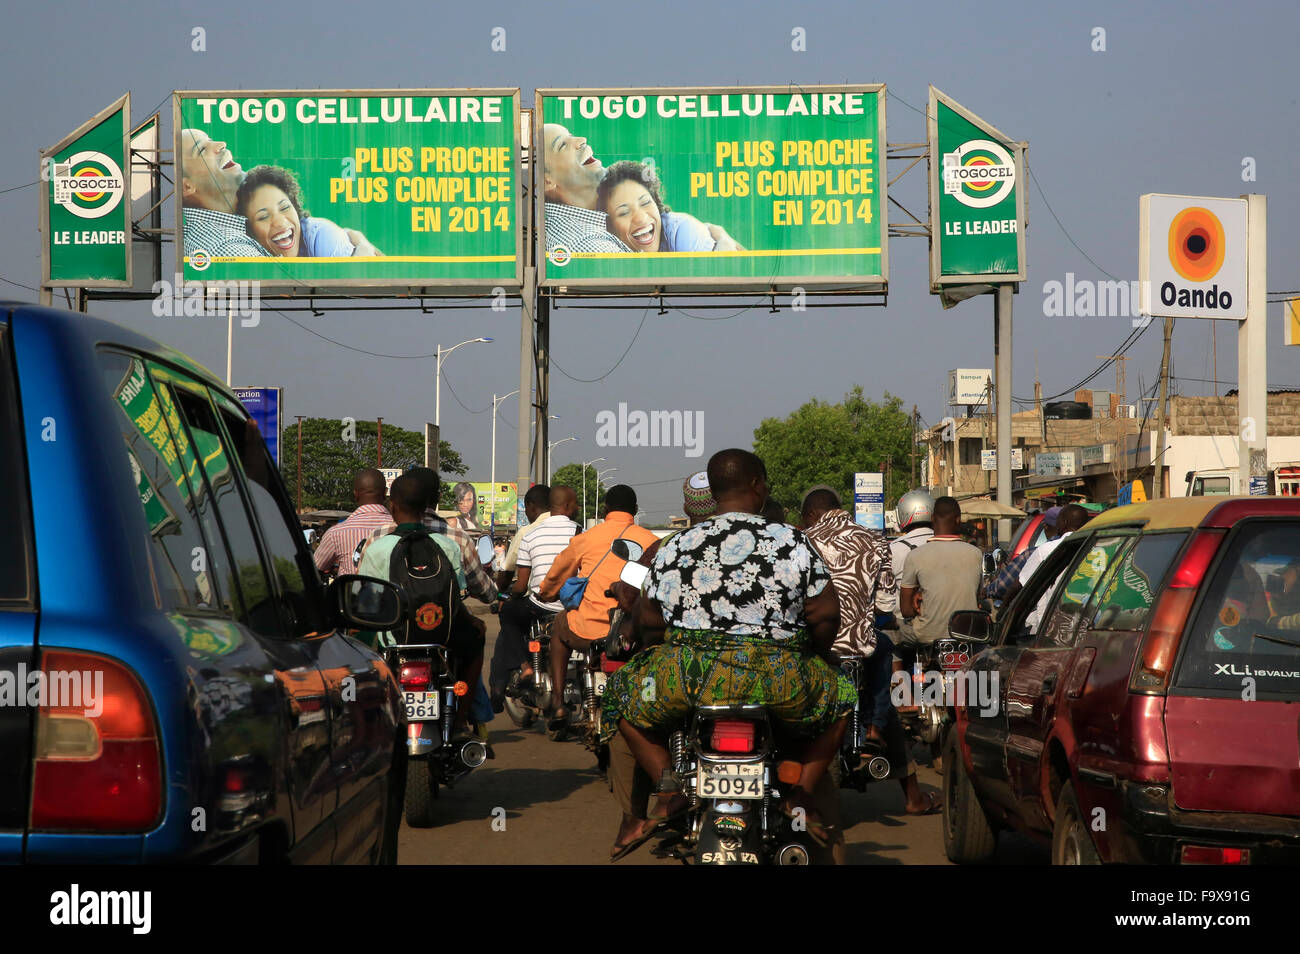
1170,616
415,676
1210,855
732,735
97,761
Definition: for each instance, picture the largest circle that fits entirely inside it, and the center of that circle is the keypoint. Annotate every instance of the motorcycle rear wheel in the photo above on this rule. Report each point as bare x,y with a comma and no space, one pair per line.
421,793
520,714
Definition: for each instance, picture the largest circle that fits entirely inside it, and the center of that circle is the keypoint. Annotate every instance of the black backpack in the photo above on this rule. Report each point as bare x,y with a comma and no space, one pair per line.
421,568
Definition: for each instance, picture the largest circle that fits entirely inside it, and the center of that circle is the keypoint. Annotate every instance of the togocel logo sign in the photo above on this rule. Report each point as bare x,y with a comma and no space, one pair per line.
979,173
88,185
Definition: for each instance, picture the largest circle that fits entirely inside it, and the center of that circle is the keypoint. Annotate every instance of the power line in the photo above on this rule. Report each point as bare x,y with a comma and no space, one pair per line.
552,360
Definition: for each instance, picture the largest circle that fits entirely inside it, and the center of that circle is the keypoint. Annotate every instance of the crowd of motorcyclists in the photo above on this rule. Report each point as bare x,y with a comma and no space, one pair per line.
812,620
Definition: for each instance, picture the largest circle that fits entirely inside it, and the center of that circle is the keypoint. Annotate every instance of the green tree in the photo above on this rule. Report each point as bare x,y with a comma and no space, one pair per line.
333,451
823,443
570,475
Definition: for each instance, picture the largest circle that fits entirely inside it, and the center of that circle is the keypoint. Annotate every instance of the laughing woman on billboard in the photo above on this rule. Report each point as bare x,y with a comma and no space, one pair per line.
272,202
630,197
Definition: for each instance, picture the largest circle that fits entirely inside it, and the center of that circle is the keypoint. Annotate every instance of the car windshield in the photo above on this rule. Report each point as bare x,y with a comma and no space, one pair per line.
1246,635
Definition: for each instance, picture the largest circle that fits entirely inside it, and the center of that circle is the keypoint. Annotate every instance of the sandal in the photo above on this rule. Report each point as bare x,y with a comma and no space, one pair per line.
620,851
934,805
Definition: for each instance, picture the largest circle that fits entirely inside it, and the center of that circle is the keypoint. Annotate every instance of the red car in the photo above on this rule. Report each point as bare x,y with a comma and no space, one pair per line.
1139,701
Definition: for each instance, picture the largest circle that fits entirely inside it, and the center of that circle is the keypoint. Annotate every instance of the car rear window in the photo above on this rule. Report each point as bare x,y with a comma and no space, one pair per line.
16,528
1126,599
1246,634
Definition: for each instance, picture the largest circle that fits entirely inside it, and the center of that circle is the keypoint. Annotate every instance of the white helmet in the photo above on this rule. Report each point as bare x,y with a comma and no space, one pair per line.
915,506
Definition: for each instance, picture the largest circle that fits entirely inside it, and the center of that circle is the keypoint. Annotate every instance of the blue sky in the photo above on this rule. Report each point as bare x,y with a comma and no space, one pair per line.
1178,99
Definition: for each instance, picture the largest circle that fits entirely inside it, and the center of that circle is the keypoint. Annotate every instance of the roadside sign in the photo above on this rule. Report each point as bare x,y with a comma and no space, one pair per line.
1192,256
969,385
869,500
390,475
977,198
263,406
1291,313
1259,486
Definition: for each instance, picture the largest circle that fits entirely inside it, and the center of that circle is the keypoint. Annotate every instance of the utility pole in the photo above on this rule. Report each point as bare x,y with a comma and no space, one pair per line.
913,484
379,448
299,480
1121,468
1158,461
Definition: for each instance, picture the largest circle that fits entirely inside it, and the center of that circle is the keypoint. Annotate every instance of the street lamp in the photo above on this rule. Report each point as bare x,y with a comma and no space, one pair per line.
600,474
585,465
437,389
492,494
549,447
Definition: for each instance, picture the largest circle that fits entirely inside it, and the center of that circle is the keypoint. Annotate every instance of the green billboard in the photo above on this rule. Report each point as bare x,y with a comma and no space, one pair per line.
417,189
719,189
977,198
85,214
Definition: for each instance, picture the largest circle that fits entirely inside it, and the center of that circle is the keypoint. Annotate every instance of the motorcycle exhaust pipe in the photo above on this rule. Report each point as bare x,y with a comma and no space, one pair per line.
792,854
473,753
878,767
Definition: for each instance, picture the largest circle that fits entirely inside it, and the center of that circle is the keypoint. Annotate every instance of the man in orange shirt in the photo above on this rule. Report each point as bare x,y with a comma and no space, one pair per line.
589,555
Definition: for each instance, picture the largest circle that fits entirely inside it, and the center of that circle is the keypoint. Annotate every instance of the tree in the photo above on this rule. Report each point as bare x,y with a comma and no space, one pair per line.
824,443
570,475
333,451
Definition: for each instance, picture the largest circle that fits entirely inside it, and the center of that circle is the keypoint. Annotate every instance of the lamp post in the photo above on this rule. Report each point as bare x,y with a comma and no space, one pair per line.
600,474
551,445
492,494
585,465
437,387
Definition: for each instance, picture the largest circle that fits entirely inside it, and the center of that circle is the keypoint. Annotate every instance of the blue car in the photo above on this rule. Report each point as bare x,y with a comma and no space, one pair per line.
176,684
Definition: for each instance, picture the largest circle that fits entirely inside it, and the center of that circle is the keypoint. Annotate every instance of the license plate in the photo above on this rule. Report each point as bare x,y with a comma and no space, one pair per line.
729,781
598,680
421,706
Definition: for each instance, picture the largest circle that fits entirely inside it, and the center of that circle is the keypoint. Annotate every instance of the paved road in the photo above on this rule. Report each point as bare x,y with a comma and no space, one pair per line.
556,809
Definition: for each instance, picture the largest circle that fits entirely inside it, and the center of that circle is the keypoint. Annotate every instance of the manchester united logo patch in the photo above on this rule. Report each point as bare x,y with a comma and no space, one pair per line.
428,616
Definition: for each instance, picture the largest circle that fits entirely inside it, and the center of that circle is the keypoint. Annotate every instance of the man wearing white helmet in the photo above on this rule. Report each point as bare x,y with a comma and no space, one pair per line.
916,520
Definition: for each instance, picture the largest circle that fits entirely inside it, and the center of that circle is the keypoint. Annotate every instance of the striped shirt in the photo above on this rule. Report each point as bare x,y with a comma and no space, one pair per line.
863,575
334,555
220,234
538,550
579,230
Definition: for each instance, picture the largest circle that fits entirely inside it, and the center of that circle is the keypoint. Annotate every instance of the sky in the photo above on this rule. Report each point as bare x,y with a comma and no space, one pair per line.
1177,102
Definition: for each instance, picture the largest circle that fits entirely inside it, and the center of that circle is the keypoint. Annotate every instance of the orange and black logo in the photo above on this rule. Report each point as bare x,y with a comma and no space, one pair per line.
1196,244
428,616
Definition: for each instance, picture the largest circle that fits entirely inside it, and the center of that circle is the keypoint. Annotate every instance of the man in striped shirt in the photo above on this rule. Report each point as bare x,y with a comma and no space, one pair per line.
334,556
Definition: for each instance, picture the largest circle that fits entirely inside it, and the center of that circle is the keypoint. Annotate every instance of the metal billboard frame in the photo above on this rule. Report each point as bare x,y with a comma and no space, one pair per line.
124,104
1017,150
397,288
695,286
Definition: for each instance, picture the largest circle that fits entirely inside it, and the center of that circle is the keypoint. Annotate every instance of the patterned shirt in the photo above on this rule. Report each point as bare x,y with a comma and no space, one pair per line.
737,574
1010,573
220,234
579,230
478,580
337,547
862,570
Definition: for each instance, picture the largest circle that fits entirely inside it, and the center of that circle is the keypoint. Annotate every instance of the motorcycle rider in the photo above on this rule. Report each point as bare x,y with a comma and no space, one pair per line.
747,611
589,555
860,562
510,655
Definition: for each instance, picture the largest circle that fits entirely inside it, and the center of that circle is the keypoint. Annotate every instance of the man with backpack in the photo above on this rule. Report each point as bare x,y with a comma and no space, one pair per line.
428,567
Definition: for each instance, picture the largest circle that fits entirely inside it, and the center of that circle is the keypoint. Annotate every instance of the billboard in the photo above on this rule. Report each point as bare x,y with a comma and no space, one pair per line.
869,500
969,385
734,189
1192,256
263,406
506,499
417,189
977,198
85,212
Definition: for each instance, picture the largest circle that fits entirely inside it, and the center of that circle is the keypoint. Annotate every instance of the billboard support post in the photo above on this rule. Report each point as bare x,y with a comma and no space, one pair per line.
1002,365
1252,354
527,311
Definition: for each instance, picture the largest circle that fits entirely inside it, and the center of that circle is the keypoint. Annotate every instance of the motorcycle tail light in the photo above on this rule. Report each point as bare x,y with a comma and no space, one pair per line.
732,735
415,676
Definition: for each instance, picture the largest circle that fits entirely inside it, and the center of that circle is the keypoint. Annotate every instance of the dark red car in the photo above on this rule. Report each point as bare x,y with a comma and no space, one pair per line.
1141,696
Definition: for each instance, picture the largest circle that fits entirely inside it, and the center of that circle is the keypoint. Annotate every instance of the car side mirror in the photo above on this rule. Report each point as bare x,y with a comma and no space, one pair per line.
486,549
366,602
627,550
974,626
634,574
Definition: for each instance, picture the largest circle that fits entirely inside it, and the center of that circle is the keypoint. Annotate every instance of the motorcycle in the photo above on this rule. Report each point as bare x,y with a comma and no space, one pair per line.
862,760
727,762
993,562
933,682
432,695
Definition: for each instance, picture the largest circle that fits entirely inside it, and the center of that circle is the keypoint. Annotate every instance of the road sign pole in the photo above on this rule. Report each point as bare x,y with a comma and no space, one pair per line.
1002,369
1252,356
